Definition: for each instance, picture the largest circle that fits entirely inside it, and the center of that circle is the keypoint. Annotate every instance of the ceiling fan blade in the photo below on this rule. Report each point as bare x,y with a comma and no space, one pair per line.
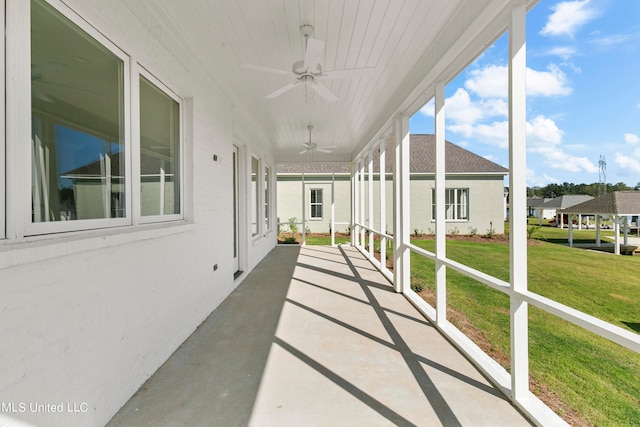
324,92
266,69
312,56
322,150
346,74
282,90
304,151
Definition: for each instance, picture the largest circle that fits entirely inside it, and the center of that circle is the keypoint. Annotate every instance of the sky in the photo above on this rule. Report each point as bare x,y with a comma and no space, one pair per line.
583,95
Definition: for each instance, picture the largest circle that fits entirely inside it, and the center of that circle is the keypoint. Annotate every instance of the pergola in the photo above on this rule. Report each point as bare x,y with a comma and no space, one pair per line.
619,204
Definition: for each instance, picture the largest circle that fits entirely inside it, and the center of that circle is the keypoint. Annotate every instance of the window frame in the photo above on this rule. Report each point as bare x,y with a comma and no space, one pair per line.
312,204
140,71
38,228
454,204
16,170
3,157
256,198
267,198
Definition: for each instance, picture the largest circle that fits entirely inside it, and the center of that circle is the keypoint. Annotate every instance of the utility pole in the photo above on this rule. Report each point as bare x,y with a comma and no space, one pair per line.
602,176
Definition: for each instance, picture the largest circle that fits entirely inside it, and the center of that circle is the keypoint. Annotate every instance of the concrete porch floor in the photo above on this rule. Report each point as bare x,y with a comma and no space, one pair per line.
315,336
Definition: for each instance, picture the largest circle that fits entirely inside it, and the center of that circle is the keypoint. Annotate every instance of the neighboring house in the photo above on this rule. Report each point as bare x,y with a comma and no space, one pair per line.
159,190
474,196
535,209
564,202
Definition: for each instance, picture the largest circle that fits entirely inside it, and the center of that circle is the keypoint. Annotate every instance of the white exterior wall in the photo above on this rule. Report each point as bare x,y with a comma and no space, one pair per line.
290,201
486,203
87,317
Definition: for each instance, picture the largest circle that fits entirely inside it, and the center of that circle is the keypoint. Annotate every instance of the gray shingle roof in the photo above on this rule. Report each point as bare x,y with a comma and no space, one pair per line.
566,201
536,201
422,152
618,202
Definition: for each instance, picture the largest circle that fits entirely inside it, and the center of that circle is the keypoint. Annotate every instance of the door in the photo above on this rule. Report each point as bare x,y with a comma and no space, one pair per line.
236,214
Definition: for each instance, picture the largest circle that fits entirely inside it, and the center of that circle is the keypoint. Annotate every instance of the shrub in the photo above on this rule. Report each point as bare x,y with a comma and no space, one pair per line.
491,231
473,231
417,286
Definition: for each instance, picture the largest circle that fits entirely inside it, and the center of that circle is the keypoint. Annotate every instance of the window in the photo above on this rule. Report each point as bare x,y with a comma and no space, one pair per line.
255,196
159,151
78,151
267,177
86,157
456,202
316,203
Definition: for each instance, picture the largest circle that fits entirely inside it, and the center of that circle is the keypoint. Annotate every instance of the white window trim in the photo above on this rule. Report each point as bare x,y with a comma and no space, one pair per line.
20,129
267,198
257,202
135,158
3,160
15,190
448,220
316,218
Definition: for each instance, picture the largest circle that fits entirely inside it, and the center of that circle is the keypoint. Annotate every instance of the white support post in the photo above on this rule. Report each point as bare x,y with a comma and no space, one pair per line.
370,213
401,214
570,225
518,199
333,209
598,239
441,232
616,232
625,221
362,205
383,202
354,204
304,213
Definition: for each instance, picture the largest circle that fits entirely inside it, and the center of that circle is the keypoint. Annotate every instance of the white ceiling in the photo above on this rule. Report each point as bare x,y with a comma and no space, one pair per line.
408,43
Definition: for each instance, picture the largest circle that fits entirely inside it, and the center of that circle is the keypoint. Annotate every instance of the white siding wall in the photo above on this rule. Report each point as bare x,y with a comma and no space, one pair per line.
290,202
486,203
88,317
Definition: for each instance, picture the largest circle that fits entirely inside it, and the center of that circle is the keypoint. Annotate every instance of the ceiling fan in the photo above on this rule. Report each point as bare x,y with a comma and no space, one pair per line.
309,71
312,146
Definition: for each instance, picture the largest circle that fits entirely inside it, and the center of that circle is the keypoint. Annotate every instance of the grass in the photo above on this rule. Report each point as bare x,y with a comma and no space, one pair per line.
588,380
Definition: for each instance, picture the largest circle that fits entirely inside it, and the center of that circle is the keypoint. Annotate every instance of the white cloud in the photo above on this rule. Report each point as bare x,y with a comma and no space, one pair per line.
543,131
628,163
615,39
496,133
567,17
428,109
493,82
533,180
552,82
544,137
631,138
489,82
564,52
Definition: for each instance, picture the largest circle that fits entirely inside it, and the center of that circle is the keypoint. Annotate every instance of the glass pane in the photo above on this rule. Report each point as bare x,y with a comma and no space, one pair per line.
255,196
159,151
78,154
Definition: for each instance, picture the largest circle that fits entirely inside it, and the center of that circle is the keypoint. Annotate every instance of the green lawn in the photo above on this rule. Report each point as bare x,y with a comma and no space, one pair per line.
591,376
596,378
